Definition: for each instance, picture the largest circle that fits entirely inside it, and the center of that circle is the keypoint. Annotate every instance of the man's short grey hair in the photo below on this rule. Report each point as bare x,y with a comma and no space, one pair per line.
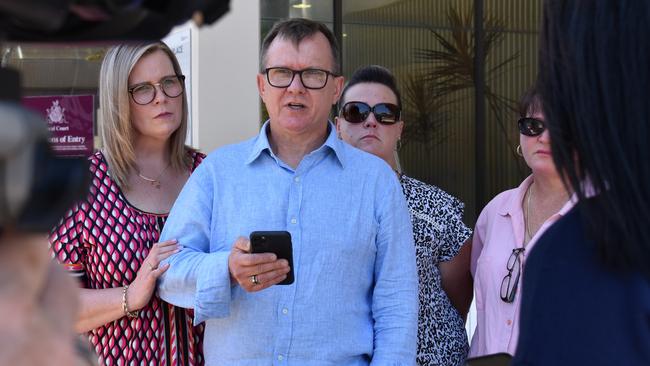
296,30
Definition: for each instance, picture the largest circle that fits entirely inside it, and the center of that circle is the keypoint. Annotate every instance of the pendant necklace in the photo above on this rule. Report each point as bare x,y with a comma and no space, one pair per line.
153,181
530,195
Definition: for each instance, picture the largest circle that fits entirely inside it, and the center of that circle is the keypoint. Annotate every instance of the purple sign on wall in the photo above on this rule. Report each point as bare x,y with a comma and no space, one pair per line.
70,121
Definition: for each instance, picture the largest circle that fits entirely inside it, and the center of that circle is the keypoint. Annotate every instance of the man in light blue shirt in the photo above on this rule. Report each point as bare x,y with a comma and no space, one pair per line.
354,299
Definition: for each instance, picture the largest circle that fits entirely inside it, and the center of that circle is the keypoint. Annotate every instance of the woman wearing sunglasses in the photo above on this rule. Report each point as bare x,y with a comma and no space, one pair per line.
506,232
370,119
109,240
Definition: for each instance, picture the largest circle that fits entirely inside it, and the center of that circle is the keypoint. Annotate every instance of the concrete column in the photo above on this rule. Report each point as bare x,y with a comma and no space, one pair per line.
226,104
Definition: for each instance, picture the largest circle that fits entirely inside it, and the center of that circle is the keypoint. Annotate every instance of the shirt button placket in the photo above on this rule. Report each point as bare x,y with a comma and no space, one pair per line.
283,340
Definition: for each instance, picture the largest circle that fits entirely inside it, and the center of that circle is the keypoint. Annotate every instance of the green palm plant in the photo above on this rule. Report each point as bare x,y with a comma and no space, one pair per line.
423,111
450,68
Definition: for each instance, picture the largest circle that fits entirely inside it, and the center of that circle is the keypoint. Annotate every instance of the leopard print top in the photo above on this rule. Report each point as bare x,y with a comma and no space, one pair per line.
439,233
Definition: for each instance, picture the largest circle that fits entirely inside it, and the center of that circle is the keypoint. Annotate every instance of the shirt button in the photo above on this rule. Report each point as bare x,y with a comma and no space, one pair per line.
294,221
296,179
280,357
509,322
285,311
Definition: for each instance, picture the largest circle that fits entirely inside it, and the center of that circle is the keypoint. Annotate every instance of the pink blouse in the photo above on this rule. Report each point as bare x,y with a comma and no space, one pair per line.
500,229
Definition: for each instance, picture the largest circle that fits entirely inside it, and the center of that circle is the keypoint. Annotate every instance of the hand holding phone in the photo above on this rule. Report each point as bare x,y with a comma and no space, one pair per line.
277,242
254,271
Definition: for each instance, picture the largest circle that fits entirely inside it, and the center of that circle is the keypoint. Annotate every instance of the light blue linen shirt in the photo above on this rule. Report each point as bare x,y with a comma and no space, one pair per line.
355,296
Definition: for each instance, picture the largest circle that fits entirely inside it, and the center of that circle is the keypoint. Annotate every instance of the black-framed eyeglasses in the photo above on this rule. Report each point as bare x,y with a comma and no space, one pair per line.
144,93
282,77
511,280
357,112
531,127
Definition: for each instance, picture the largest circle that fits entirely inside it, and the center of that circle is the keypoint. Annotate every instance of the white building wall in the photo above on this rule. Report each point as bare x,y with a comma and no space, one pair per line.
470,324
226,104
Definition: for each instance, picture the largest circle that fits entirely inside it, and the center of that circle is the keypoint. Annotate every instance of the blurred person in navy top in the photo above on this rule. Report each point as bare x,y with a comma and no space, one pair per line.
355,296
586,298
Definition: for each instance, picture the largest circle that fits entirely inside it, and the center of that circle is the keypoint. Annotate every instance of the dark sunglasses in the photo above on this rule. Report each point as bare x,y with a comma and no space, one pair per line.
357,112
531,126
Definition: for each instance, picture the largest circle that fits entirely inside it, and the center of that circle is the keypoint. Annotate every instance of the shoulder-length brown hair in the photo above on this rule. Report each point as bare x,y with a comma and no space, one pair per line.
115,126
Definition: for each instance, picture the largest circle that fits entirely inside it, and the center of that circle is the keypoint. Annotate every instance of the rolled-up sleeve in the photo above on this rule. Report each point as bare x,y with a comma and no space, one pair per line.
395,295
198,275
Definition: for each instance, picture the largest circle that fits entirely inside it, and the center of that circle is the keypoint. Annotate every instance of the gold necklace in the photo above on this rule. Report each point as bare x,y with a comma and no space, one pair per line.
153,181
530,195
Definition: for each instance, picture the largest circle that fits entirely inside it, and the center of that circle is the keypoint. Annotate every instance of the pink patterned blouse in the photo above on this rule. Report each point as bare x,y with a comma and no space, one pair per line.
104,240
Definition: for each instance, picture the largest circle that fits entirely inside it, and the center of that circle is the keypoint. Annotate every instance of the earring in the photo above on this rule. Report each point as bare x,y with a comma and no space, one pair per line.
339,136
398,145
519,151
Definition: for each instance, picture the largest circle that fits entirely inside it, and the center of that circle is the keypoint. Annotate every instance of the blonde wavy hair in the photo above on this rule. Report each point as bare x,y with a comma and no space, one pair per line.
116,129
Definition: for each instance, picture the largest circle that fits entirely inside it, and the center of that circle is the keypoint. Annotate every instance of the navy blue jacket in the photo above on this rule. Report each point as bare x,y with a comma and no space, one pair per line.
575,311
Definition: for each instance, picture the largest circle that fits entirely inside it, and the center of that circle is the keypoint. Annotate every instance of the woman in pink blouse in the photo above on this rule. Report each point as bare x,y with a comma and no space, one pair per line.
506,232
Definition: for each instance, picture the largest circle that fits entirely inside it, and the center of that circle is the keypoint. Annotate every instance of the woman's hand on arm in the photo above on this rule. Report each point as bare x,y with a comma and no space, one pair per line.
142,288
457,279
102,306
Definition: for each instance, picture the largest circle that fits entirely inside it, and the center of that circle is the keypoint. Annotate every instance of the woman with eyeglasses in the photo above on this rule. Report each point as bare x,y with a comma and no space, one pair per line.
506,232
370,119
110,239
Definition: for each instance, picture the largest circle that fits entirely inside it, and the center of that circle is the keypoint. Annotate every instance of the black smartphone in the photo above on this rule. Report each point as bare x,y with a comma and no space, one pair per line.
497,359
278,242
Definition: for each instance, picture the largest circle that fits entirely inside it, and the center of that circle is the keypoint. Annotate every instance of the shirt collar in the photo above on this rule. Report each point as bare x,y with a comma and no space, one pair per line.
512,205
335,144
332,142
260,144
